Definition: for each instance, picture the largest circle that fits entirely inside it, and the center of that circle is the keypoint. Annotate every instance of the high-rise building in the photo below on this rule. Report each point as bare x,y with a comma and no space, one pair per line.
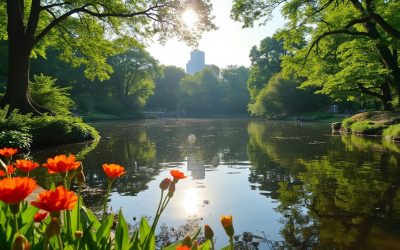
196,62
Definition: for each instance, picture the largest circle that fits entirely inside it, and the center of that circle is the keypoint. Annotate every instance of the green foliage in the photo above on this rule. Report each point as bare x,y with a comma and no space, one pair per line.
392,133
15,139
166,92
281,97
60,129
367,128
45,93
14,121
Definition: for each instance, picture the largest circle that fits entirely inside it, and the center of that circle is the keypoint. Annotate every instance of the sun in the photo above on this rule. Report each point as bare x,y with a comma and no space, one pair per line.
190,18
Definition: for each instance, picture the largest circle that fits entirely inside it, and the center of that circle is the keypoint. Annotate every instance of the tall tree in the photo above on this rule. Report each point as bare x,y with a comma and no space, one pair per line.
133,78
166,93
373,20
88,31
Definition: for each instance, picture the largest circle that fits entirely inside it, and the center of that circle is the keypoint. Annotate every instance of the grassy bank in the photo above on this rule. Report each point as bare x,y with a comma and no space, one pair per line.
380,123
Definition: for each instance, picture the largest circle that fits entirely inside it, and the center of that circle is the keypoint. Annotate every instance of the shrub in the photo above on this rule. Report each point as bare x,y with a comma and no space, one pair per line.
367,128
14,121
50,130
392,133
44,91
15,139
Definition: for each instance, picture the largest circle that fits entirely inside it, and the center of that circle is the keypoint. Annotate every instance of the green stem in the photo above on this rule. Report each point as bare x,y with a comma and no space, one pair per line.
106,199
79,207
15,224
159,204
231,242
60,241
46,243
212,244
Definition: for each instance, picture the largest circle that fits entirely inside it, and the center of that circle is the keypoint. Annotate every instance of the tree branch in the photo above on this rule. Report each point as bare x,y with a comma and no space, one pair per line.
386,26
33,19
368,91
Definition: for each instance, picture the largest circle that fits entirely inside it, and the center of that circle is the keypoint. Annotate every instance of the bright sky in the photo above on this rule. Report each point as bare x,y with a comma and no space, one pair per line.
229,45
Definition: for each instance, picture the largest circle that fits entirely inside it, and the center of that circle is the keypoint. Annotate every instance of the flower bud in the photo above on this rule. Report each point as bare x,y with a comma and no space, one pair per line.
80,177
14,208
187,241
21,243
208,232
53,228
171,189
165,184
226,222
78,234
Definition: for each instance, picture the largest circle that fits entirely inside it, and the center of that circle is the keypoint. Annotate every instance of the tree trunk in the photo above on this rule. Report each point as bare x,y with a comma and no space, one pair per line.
386,97
19,50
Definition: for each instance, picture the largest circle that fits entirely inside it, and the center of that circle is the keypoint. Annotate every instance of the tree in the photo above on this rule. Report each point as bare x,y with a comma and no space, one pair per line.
265,62
133,78
88,32
166,93
371,20
236,95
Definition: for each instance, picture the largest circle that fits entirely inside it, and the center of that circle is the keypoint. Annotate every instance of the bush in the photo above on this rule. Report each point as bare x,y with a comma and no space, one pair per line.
367,128
14,121
15,139
346,123
392,133
45,92
50,130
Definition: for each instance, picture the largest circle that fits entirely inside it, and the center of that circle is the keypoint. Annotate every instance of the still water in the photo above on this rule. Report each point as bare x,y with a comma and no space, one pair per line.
294,185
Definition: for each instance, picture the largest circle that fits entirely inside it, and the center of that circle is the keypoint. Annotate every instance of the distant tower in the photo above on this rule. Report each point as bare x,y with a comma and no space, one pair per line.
196,62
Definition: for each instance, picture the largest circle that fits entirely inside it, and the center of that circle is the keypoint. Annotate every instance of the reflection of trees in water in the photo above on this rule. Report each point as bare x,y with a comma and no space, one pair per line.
345,197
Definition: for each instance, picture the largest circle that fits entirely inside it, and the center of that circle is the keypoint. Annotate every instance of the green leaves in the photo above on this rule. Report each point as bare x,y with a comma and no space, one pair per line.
121,233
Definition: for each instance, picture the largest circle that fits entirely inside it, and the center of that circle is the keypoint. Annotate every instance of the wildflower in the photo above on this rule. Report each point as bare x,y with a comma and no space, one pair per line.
26,165
165,183
226,222
40,216
56,200
8,152
14,190
61,164
177,174
113,171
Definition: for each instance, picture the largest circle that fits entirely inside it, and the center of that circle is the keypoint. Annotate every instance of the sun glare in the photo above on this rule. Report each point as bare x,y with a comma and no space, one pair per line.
191,201
190,18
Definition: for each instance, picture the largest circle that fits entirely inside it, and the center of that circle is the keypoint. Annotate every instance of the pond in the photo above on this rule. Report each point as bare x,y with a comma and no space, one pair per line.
293,184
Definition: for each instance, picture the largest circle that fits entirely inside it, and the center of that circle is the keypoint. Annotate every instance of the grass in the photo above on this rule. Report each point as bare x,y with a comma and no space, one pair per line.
367,128
392,133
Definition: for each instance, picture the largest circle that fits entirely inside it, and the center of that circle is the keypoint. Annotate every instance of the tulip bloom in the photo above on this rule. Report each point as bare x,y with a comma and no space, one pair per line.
226,222
56,200
182,248
26,165
113,171
15,190
8,152
40,216
61,164
177,174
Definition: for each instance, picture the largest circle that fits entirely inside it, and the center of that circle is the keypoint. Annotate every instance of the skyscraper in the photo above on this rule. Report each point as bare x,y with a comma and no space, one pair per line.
196,62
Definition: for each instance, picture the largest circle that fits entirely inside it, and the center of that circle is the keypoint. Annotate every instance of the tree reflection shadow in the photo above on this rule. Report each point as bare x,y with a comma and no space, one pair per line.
345,198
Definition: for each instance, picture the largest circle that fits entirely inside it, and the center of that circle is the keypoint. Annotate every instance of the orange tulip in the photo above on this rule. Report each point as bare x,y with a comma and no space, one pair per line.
226,222
26,165
8,152
177,174
40,216
14,190
56,200
182,248
113,171
61,164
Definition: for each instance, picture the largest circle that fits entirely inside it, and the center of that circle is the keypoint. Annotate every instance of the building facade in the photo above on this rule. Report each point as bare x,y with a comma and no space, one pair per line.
196,62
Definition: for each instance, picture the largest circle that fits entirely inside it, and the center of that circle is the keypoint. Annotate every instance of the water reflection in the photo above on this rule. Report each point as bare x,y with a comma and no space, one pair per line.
343,195
306,188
